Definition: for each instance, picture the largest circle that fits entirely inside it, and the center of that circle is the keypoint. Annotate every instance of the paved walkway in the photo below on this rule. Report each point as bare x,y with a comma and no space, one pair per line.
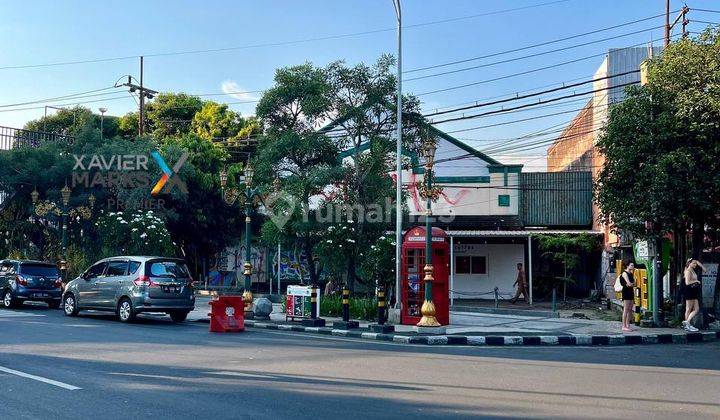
471,323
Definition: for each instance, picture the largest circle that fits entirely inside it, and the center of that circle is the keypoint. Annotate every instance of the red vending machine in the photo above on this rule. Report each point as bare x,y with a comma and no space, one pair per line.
412,274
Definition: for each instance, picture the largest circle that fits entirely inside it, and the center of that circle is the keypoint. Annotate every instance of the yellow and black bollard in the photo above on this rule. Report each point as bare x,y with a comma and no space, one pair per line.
345,304
345,324
315,320
381,306
638,300
380,327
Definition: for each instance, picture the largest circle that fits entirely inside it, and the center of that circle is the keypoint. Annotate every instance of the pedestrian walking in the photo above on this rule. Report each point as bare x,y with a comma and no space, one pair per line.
522,285
627,280
693,287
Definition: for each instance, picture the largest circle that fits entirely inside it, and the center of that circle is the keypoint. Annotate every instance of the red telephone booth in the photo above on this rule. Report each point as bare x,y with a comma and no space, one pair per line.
412,274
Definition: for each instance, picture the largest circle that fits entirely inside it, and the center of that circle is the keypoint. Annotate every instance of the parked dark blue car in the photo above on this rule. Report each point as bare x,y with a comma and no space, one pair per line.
24,280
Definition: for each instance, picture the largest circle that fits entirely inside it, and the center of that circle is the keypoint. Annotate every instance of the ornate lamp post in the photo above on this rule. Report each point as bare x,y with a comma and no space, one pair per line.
230,195
431,194
247,267
45,207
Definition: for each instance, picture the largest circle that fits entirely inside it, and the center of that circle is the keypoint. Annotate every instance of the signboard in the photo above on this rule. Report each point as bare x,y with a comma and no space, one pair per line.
422,239
708,283
297,302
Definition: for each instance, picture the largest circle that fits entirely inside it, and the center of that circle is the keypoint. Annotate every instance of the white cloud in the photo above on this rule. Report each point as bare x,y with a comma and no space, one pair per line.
231,88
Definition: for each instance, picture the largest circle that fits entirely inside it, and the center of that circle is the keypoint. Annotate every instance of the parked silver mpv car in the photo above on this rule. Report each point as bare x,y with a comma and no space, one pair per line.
130,285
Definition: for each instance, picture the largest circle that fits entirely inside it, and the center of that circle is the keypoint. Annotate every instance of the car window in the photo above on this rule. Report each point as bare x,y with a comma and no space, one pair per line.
96,270
134,265
39,270
5,268
116,268
168,269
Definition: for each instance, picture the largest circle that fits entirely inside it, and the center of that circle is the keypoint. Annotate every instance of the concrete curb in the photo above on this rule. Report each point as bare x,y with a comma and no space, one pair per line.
496,340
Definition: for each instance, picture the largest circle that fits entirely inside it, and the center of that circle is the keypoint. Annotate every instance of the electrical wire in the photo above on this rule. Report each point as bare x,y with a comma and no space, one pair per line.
510,60
522,73
281,43
541,44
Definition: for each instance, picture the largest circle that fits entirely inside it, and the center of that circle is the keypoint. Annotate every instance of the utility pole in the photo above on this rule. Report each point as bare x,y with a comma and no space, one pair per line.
667,23
398,157
144,93
681,18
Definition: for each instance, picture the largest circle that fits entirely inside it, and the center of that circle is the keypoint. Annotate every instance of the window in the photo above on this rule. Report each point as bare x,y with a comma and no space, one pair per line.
462,265
174,269
95,271
116,268
5,268
465,264
504,200
39,270
479,265
134,265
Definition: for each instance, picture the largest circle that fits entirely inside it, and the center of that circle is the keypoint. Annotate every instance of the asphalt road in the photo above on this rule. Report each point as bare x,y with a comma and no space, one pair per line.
155,369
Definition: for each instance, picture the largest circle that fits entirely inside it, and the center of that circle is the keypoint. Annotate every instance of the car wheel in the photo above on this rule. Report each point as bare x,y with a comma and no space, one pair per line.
55,304
178,316
125,311
8,300
70,306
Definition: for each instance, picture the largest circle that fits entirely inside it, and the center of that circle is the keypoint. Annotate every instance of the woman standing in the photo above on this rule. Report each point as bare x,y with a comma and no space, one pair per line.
692,293
628,295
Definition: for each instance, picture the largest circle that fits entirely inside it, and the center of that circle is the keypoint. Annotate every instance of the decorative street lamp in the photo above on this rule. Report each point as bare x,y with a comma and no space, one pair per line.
247,294
431,194
45,207
230,195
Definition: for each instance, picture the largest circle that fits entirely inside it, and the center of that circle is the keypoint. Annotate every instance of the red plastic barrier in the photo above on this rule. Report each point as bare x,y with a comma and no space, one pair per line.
227,314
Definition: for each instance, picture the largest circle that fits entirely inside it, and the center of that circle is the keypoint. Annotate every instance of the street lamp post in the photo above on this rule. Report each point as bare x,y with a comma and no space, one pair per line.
62,211
102,110
247,267
230,195
430,194
65,193
398,156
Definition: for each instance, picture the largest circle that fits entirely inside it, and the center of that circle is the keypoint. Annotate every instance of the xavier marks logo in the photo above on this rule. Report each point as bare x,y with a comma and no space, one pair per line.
169,174
127,171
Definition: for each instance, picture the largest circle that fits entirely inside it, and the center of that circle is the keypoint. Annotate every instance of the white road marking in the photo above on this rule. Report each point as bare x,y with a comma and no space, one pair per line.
14,314
39,378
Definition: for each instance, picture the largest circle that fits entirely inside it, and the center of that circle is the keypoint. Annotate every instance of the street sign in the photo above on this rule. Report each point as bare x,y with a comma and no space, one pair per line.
297,302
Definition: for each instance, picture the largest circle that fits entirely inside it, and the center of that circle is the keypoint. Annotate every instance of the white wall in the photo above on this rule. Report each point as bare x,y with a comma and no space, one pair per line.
502,262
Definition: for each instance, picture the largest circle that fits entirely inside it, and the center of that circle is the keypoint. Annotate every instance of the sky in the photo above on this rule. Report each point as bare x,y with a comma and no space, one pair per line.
256,38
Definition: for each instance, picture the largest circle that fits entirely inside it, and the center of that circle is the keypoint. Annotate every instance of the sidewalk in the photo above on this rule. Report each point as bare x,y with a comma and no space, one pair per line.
499,329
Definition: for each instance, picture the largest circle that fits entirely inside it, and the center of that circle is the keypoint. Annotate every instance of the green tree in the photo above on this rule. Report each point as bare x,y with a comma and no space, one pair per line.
363,98
128,125
292,149
662,148
171,114
64,121
566,250
215,120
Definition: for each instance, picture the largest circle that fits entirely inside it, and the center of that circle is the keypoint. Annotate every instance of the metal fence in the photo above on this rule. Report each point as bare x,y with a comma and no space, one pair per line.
13,138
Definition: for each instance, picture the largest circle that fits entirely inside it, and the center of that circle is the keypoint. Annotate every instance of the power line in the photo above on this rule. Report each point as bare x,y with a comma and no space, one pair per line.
522,73
281,43
545,101
509,60
69,96
534,45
